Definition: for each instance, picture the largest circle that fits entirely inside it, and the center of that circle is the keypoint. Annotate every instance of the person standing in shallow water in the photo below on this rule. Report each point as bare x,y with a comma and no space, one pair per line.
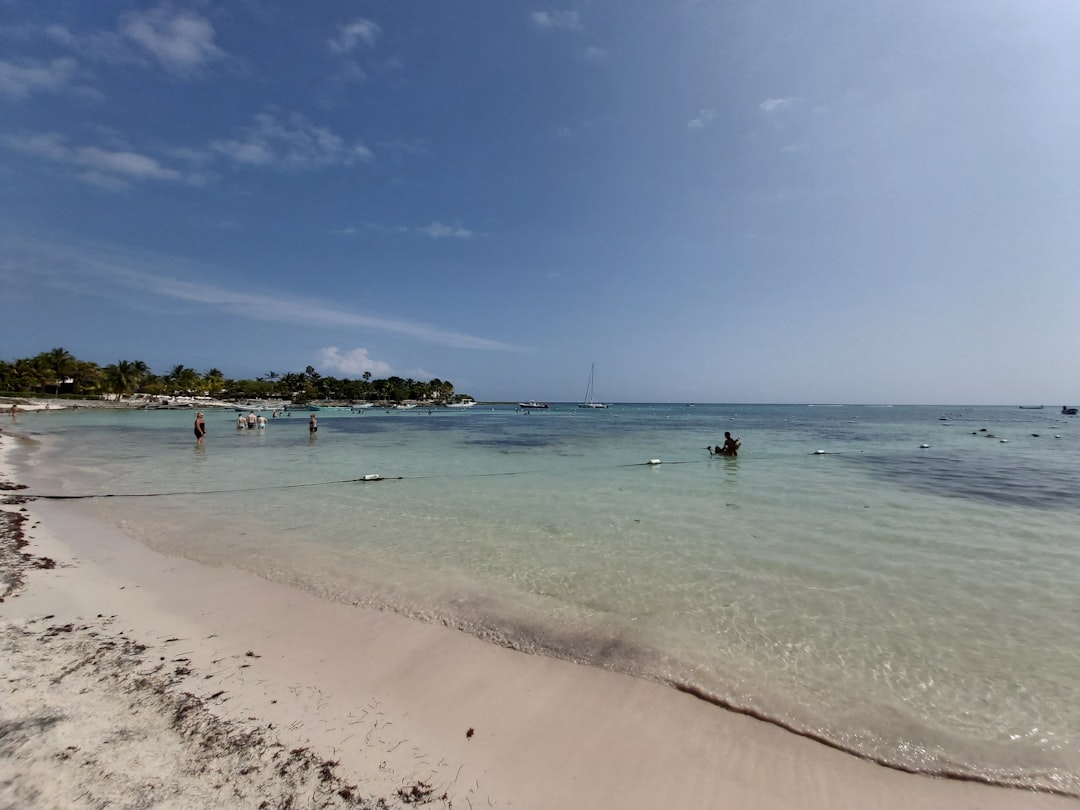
312,427
200,428
729,448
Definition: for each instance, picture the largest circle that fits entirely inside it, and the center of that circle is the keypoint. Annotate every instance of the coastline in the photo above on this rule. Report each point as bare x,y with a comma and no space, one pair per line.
381,703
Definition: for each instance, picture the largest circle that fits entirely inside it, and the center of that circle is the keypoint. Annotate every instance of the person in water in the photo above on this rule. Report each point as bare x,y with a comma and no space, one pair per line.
312,424
730,447
200,428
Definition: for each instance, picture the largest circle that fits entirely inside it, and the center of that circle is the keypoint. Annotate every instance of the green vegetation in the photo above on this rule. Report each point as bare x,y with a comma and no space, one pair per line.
58,372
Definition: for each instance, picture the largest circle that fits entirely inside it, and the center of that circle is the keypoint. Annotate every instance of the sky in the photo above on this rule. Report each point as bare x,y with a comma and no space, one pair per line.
759,201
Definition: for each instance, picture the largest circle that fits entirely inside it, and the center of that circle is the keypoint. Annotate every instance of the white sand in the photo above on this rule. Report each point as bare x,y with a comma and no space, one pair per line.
381,704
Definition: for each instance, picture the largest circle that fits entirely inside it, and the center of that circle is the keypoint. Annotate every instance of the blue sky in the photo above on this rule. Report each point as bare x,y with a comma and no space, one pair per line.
714,201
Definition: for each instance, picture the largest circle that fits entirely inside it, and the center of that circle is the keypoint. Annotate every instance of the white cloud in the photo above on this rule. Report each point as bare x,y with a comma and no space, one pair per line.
183,43
352,34
19,81
107,169
436,230
292,143
353,362
703,118
771,105
595,54
119,274
565,20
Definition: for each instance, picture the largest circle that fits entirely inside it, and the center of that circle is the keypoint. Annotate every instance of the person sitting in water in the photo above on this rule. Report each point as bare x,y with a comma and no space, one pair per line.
730,447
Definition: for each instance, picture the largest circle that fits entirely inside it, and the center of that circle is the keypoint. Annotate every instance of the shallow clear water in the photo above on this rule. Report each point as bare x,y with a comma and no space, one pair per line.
913,605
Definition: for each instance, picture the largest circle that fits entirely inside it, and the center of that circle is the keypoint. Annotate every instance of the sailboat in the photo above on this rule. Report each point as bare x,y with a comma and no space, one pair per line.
590,401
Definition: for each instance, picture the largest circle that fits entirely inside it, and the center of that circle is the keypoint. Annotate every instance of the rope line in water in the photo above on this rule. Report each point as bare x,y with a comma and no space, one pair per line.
364,479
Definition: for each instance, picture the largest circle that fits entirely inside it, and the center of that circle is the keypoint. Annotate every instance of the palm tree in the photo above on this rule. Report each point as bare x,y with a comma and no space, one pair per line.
57,364
121,377
8,379
214,380
183,378
28,371
87,376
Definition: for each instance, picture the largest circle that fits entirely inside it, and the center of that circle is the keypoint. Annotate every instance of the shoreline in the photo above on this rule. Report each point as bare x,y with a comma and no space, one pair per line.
388,701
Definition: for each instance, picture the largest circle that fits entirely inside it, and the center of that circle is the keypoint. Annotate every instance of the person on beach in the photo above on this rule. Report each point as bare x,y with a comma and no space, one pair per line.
311,425
14,410
200,427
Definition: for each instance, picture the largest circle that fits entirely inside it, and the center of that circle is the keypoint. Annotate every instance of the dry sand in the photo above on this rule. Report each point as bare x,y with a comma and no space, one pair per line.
131,679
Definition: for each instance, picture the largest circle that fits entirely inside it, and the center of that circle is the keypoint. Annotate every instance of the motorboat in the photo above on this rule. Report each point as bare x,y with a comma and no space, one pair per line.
461,404
1068,411
533,405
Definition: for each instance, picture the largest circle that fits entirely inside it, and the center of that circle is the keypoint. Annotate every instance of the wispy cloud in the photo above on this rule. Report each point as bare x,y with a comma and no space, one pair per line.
771,105
352,34
564,20
351,37
109,169
436,230
17,81
353,362
181,42
292,142
704,117
120,276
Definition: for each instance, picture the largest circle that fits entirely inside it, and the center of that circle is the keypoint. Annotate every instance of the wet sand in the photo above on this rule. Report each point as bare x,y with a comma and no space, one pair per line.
134,679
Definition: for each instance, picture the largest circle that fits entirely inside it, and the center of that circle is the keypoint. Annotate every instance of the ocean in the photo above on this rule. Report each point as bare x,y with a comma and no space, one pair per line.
901,582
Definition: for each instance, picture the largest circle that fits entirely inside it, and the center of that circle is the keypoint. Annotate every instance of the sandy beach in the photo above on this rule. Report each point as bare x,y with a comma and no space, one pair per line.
132,679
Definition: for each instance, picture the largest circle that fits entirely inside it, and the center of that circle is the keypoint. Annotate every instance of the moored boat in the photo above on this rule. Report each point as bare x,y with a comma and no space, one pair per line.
590,402
533,405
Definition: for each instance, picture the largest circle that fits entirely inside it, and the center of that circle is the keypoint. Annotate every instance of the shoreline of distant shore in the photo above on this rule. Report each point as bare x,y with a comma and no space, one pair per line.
135,676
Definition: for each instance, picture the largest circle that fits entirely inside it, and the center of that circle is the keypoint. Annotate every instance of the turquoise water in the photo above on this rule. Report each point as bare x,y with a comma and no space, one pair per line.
913,605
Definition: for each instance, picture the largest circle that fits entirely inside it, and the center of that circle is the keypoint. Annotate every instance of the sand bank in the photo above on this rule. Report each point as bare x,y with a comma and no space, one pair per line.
142,680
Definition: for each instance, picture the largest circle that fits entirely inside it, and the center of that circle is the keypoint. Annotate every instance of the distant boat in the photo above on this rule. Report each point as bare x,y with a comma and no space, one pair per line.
404,406
533,405
462,403
1031,407
1068,411
263,405
590,401
362,406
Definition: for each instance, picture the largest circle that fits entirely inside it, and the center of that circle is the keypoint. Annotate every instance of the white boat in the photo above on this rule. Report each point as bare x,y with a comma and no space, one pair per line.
460,404
590,401
362,406
533,405
263,405
404,406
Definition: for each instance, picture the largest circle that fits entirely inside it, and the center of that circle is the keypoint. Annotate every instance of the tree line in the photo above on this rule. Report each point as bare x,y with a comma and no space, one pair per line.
58,372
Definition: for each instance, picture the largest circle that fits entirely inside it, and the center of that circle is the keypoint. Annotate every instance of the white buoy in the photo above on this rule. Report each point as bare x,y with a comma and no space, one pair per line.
654,461
372,477
819,452
924,446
